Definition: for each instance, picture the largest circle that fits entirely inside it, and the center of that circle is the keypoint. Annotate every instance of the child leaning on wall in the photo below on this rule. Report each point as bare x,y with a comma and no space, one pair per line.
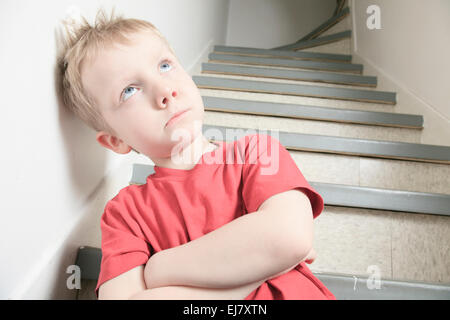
198,229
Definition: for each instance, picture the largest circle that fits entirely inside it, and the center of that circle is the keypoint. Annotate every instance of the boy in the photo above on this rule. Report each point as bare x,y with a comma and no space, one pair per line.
195,230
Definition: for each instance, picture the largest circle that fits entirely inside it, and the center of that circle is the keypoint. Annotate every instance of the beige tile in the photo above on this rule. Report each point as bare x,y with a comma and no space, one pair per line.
312,127
349,240
421,248
327,168
405,175
354,105
338,47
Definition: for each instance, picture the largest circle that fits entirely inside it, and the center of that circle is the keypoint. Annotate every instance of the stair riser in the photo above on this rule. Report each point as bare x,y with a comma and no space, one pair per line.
311,127
401,246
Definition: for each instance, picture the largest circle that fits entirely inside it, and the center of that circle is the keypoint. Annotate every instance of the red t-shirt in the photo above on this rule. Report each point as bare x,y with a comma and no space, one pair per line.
176,206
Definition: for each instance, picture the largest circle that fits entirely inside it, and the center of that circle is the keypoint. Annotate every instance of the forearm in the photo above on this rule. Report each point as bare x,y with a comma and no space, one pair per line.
196,293
246,250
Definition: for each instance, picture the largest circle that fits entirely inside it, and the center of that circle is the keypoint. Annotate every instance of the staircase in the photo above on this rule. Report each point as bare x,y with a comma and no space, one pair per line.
387,196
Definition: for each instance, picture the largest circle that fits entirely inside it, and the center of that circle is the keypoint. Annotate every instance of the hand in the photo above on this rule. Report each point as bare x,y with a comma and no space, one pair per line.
311,256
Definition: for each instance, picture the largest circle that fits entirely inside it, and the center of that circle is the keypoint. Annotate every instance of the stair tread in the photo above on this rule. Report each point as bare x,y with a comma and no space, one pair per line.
317,41
313,112
355,196
280,73
361,147
284,62
295,89
343,286
295,99
342,58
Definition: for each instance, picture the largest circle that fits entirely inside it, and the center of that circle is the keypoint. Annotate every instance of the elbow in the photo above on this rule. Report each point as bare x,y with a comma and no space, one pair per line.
298,243
298,248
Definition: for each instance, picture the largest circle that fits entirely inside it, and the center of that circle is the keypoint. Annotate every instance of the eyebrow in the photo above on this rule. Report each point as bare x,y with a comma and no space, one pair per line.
124,81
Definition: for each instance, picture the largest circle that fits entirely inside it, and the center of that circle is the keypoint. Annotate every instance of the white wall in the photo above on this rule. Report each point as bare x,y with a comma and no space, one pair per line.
56,179
273,23
411,52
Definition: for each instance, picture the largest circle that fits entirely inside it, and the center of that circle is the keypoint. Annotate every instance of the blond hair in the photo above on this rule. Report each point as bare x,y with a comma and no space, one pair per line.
82,40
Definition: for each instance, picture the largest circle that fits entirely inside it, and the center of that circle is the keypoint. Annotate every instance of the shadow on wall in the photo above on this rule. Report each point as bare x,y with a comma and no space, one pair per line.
86,164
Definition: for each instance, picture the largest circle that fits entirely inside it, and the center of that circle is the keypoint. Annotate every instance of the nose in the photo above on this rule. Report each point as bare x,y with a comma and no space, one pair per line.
166,95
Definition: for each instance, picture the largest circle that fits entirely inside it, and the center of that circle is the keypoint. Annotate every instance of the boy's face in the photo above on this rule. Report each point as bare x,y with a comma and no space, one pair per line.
138,88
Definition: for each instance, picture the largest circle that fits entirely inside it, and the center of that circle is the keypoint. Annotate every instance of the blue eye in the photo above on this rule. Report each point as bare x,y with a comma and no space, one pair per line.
128,92
165,67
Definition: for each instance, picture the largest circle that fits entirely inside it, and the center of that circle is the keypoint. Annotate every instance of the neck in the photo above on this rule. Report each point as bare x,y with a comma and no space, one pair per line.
189,156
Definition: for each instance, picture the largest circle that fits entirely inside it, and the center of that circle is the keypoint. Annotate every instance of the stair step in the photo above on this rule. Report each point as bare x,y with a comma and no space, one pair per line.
288,81
288,63
342,47
347,130
379,173
345,287
288,74
295,89
302,100
299,111
355,196
300,55
400,246
317,41
342,286
327,25
358,147
383,199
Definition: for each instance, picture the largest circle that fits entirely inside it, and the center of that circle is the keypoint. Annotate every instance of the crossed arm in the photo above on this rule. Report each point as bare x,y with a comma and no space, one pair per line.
237,258
233,260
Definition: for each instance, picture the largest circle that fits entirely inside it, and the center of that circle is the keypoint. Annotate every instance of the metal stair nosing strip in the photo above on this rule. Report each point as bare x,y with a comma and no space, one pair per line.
258,52
342,286
375,198
298,111
295,89
327,25
287,63
317,41
286,74
340,5
352,146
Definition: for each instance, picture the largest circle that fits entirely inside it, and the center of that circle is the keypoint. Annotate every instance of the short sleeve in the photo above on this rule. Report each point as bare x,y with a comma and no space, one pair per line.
268,170
123,245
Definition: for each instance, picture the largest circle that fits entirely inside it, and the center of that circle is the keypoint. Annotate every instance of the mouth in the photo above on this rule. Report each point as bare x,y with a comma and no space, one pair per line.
176,117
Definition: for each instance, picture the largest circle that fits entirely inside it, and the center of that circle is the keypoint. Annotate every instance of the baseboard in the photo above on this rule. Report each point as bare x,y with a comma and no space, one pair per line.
196,66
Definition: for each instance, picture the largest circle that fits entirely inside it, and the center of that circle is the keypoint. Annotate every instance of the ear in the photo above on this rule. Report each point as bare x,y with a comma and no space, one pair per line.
112,142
